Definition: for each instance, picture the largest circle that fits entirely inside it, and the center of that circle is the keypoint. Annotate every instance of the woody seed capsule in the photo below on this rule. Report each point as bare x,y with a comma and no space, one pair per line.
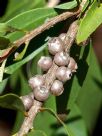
61,59
72,64
60,73
68,74
41,93
27,101
55,45
57,88
45,63
36,81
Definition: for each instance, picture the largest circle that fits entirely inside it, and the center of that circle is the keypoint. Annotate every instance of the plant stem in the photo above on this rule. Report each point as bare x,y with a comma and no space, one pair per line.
49,79
28,121
37,31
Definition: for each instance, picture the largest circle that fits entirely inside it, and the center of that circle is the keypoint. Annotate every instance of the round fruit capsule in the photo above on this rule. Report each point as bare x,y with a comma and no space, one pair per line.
60,73
57,88
55,45
72,64
41,93
27,101
61,59
36,81
45,63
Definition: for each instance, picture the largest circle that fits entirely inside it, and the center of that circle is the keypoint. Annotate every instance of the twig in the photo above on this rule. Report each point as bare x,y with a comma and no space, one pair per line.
71,34
44,27
28,121
49,78
38,31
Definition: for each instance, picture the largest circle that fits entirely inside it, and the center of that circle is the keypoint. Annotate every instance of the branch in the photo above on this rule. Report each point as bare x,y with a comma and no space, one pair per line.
37,31
49,79
28,121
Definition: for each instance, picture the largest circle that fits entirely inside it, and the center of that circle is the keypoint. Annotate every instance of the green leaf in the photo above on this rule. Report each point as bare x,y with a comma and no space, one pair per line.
16,7
68,131
32,19
89,98
74,122
21,55
11,101
90,22
2,85
4,43
67,5
2,70
36,133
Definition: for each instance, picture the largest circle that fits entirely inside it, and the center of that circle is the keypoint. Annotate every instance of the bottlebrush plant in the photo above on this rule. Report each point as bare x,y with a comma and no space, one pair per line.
48,67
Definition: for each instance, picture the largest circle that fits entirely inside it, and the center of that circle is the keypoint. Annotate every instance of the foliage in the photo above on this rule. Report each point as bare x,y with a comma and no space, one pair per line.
82,96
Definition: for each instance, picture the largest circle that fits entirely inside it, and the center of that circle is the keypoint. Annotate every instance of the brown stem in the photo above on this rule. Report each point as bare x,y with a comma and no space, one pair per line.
28,121
44,27
38,31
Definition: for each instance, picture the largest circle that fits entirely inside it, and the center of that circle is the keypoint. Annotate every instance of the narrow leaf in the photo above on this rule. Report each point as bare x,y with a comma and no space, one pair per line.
67,5
2,70
68,131
90,22
36,133
21,55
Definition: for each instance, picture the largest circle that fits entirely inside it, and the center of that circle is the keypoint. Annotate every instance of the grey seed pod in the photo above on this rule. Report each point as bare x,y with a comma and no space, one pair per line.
68,74
55,45
41,93
36,81
72,64
45,63
60,73
27,101
61,59
57,88
62,36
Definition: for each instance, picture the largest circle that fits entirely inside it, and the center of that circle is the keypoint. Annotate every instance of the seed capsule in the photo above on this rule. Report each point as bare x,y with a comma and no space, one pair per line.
63,74
61,59
55,45
72,65
41,93
57,88
27,101
60,73
36,81
68,74
45,63
62,36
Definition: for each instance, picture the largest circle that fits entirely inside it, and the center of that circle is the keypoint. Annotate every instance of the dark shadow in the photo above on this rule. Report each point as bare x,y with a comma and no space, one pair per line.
98,128
62,101
3,6
7,116
82,63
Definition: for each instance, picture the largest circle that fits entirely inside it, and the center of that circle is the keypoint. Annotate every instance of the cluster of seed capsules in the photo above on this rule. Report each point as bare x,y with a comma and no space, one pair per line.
66,67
